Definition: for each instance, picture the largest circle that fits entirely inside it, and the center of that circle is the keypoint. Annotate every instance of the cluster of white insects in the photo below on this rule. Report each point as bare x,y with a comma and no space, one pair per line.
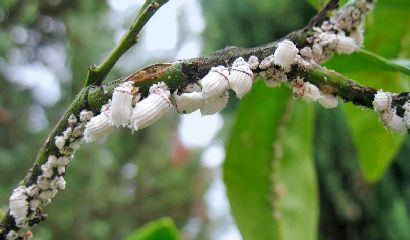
342,33
209,95
26,202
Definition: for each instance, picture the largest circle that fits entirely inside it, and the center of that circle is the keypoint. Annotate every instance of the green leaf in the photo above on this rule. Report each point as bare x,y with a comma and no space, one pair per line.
364,60
270,196
162,229
297,177
319,4
375,145
398,219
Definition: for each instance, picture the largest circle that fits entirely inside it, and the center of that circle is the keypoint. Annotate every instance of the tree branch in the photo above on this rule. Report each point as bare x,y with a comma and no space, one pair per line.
177,75
96,74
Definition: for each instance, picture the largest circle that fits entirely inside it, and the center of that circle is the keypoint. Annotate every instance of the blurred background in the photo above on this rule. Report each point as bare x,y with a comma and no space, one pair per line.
174,167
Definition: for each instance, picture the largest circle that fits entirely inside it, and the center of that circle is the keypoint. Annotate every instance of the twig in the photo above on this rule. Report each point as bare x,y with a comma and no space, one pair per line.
179,74
96,74
323,14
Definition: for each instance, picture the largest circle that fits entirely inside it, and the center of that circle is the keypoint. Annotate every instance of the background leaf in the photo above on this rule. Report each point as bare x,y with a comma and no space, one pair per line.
375,145
282,199
364,60
319,4
162,229
298,205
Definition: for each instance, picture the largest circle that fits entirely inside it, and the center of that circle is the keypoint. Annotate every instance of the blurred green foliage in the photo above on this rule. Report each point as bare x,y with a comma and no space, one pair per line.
319,4
248,165
296,186
269,166
248,23
161,229
350,206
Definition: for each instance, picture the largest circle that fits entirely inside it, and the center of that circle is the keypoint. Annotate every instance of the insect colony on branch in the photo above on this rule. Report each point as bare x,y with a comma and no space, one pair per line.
342,33
26,202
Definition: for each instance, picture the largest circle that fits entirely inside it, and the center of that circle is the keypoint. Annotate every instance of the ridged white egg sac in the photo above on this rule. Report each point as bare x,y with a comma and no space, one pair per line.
397,124
215,82
121,105
345,45
150,109
240,77
99,126
328,101
213,105
382,101
285,54
187,102
19,206
406,117
253,62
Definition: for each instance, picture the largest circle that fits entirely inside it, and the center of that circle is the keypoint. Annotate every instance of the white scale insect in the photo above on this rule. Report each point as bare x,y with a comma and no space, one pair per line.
214,95
150,109
214,86
393,121
99,126
285,54
240,77
215,82
19,206
214,104
382,101
406,108
187,102
121,105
